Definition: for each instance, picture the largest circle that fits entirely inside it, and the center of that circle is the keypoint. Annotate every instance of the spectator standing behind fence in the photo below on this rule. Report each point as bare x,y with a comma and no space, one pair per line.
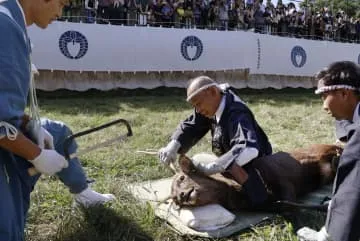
240,14
76,10
66,13
179,13
204,12
103,11
118,12
328,22
267,20
212,15
167,14
357,29
249,18
72,12
233,16
352,31
132,12
223,15
259,10
188,13
342,26
157,13
291,23
90,10
197,13
143,11
283,21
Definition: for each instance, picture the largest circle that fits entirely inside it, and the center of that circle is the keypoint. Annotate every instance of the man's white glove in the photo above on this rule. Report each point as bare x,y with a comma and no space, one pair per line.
45,139
168,154
308,234
49,162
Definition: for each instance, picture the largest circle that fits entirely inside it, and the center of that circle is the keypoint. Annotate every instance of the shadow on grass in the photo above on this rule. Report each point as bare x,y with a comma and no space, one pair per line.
302,218
99,223
156,100
283,226
110,102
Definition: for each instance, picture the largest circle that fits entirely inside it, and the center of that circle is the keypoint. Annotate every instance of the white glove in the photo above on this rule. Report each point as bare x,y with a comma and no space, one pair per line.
45,139
308,234
49,162
168,154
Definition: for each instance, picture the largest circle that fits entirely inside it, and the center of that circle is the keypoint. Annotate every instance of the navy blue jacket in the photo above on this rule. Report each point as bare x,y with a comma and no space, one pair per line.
237,129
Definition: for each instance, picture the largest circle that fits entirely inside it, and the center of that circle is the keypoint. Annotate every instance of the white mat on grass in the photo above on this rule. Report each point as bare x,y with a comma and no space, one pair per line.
152,191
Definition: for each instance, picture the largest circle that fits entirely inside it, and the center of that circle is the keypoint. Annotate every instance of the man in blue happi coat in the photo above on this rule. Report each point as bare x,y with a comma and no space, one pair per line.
25,140
237,138
339,87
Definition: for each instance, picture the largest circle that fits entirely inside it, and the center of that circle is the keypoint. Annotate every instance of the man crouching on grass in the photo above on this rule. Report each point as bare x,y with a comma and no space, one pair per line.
25,140
237,137
339,86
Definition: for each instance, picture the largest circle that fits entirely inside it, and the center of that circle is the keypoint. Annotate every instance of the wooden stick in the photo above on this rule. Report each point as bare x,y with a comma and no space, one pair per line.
152,152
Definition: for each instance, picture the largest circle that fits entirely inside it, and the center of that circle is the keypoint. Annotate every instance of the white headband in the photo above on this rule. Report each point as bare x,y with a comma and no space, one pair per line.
334,87
199,90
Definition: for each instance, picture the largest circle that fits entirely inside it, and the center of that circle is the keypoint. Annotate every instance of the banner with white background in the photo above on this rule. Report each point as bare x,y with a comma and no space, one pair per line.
300,57
97,47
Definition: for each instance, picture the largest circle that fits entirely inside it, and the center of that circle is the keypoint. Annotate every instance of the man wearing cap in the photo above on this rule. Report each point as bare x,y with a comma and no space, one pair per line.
25,140
339,86
237,138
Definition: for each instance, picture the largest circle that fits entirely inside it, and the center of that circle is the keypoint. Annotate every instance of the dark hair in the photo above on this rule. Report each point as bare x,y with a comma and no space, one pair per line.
340,73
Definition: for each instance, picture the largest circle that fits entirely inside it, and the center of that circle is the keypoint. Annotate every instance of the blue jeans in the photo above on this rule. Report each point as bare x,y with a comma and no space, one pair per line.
16,184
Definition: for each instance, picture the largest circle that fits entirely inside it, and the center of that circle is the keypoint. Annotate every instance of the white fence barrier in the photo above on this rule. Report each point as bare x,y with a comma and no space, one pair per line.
97,47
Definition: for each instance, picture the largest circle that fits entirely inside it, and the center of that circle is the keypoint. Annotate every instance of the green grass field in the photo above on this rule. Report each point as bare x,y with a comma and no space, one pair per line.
291,118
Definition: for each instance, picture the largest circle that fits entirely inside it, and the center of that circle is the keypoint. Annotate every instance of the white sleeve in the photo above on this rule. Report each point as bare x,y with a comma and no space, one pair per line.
246,156
220,166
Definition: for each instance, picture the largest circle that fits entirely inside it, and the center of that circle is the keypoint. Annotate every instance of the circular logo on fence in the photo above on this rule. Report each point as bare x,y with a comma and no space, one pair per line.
298,56
73,44
191,48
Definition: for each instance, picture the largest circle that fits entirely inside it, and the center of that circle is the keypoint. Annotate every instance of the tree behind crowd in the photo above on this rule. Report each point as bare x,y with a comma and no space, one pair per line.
349,7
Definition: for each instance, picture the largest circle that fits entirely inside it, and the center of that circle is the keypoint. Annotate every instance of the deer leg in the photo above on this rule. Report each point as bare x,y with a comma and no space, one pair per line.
238,173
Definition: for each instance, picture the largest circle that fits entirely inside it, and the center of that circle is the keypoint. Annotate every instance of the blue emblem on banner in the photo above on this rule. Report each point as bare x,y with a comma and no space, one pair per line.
73,44
191,48
298,56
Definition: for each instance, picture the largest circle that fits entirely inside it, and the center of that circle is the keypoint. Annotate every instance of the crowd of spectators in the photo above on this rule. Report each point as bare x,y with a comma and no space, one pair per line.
249,15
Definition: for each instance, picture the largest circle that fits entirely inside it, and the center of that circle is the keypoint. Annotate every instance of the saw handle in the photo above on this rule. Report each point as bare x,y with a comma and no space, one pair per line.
32,171
70,138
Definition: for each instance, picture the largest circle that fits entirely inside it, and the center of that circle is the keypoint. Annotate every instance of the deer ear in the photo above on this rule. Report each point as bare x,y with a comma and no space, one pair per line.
186,164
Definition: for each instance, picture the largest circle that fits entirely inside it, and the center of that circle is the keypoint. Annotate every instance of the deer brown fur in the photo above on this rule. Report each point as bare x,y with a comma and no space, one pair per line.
287,174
